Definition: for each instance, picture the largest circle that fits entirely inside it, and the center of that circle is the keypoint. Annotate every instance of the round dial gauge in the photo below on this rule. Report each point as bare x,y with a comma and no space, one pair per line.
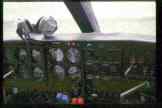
23,56
36,55
58,54
52,52
22,52
24,73
38,73
60,72
73,70
73,55
89,44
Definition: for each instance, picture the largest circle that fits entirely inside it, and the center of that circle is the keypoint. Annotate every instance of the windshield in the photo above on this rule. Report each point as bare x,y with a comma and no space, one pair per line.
126,17
33,11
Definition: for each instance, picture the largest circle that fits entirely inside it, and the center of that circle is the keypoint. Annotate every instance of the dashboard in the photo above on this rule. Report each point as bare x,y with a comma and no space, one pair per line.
85,64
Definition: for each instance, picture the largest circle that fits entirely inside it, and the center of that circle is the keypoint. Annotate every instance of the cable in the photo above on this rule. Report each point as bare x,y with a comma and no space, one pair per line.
23,30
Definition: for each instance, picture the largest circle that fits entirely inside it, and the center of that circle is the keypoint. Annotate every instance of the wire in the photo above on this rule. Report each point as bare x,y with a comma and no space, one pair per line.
24,33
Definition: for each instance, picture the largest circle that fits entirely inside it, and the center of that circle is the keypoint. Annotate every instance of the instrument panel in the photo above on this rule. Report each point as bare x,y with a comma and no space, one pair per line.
81,68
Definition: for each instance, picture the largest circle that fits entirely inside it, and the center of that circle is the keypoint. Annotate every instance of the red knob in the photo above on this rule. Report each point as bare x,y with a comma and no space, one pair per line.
74,101
80,100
